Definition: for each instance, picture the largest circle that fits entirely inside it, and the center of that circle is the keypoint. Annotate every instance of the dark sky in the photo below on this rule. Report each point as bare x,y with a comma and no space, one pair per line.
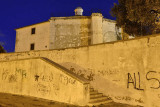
19,13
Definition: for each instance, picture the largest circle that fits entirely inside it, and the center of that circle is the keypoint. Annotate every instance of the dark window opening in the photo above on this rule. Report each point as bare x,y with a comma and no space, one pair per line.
32,46
33,31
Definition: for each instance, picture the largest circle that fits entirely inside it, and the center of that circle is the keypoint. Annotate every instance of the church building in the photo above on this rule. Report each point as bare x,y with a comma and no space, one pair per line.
65,32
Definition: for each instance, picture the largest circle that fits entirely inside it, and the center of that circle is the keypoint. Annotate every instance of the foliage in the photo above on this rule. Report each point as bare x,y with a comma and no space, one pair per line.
137,17
2,49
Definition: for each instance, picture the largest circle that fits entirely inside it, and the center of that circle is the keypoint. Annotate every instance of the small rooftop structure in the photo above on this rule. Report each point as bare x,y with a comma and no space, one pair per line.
78,11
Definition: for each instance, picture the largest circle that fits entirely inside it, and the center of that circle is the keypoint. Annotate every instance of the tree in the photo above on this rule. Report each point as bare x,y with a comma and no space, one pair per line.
137,17
2,49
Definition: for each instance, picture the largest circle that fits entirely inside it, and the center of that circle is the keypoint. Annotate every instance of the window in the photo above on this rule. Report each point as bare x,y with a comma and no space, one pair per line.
33,31
32,46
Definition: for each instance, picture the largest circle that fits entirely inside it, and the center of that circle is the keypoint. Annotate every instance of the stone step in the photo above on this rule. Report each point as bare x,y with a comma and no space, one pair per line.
100,102
91,89
96,95
98,99
93,92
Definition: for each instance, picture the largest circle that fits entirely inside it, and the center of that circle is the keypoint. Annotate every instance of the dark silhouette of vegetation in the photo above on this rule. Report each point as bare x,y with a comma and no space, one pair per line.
137,17
2,49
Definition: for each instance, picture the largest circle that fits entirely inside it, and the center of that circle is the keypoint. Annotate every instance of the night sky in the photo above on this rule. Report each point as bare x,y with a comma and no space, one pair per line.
19,13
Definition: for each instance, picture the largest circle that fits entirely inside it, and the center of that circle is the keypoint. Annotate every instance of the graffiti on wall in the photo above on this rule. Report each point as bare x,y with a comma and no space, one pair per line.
44,77
5,74
128,98
43,89
66,80
150,78
36,77
135,80
88,74
78,72
108,72
56,89
21,72
45,84
47,78
13,76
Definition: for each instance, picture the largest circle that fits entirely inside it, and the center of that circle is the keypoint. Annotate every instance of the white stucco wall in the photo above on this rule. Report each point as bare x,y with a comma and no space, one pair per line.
109,30
96,28
41,37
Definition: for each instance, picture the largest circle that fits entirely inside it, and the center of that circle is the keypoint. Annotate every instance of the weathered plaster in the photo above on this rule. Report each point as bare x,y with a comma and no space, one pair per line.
109,31
65,32
43,78
70,32
128,71
41,37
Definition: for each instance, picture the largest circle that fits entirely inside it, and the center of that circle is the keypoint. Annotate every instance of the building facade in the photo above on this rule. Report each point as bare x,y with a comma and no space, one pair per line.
65,32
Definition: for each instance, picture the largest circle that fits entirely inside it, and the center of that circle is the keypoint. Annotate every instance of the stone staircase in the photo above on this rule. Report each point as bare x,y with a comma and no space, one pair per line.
97,98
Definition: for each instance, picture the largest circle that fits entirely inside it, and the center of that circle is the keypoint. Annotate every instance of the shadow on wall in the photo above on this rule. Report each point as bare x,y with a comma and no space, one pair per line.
86,73
108,87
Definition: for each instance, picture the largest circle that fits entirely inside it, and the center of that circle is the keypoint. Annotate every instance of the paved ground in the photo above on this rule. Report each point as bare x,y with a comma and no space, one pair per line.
9,100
